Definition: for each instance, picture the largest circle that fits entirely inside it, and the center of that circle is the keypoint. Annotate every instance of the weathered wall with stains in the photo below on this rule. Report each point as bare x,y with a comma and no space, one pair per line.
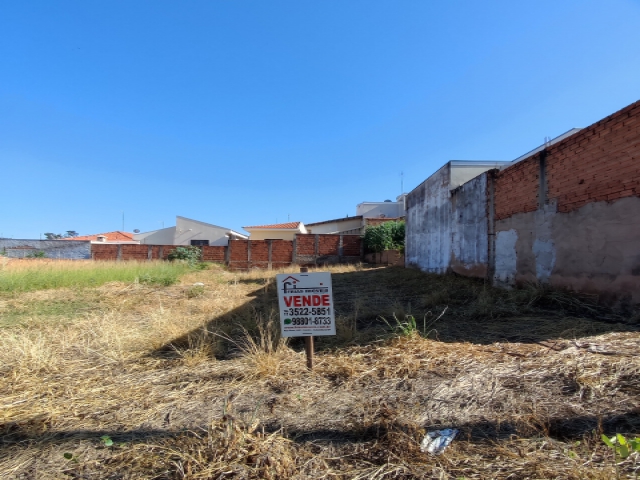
469,228
67,249
570,214
428,223
447,227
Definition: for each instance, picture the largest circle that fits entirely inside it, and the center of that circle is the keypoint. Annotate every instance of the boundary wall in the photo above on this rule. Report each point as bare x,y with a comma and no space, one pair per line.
305,249
568,215
58,249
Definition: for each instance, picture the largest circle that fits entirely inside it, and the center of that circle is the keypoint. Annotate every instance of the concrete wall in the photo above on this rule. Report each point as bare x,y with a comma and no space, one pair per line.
428,223
447,227
470,227
567,215
68,249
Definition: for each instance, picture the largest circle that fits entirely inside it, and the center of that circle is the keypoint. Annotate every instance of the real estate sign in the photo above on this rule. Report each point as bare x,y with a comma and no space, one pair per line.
306,304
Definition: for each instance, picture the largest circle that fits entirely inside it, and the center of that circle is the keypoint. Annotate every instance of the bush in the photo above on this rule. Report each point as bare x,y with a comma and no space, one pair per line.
189,254
386,236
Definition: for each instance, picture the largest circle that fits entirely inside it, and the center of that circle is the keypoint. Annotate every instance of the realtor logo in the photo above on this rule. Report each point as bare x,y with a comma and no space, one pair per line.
290,285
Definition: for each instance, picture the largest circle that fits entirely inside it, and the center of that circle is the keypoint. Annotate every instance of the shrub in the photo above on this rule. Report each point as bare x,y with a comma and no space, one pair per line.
189,254
386,236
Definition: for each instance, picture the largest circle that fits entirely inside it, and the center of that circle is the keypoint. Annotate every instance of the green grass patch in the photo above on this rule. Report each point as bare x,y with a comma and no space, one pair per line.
88,274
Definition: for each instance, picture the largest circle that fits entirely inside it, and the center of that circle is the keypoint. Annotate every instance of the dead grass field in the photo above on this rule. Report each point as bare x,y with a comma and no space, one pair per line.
134,381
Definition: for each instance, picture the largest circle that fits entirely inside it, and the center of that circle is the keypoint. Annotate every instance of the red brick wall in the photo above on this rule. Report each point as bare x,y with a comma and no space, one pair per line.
599,163
104,252
213,253
328,244
306,244
351,245
516,188
281,251
259,253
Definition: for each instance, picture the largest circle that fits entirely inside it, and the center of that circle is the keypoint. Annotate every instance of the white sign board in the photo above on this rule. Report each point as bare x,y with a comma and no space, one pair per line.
306,304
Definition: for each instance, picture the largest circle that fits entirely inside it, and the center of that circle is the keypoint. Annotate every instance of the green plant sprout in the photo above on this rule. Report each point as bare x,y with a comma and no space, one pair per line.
621,448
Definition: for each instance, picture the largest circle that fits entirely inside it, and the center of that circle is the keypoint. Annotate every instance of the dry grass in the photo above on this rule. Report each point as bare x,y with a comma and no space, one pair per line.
196,383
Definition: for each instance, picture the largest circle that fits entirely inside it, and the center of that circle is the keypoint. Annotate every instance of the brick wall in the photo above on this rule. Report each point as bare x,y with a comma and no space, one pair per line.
104,252
213,253
306,244
281,253
247,254
599,163
141,252
516,188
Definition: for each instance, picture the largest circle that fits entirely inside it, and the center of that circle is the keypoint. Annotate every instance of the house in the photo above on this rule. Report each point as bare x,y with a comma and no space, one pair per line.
367,213
386,209
276,231
189,232
343,226
108,237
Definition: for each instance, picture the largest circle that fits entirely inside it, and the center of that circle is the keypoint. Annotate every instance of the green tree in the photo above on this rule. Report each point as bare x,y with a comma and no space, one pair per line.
386,236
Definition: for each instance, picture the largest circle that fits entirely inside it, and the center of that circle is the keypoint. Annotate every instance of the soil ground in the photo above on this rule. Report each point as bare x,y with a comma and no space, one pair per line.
130,381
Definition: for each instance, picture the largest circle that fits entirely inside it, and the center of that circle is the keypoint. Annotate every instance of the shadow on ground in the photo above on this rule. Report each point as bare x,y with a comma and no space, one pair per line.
372,302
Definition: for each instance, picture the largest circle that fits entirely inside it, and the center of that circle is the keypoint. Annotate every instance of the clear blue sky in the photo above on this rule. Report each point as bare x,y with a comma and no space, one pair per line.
251,112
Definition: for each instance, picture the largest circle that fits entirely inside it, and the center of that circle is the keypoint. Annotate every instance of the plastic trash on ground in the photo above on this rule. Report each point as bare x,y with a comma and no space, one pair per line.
436,441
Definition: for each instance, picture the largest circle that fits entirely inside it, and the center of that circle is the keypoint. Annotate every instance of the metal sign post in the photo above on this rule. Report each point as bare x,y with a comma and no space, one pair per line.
306,307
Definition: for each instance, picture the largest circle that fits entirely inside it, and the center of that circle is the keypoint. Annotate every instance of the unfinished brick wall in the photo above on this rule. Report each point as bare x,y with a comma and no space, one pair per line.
247,254
104,252
150,252
213,253
239,254
281,253
351,245
306,244
599,163
516,188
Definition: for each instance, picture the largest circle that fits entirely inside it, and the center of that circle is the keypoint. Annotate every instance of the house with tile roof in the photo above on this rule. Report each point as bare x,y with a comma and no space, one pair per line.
276,231
109,237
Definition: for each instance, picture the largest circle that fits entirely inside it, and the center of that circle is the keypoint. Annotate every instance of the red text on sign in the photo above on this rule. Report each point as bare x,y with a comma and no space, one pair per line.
308,301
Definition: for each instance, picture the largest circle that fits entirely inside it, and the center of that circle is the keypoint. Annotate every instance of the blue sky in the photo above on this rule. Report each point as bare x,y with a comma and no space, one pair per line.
253,112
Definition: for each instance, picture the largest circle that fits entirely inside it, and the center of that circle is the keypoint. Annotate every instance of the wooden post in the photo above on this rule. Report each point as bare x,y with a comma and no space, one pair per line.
308,341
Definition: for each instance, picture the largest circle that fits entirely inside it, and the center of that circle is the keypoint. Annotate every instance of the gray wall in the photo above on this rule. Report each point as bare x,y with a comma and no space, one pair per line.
428,223
447,228
68,249
469,244
164,236
593,249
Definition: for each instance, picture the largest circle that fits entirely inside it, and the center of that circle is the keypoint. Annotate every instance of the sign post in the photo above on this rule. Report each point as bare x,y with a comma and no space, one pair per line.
306,307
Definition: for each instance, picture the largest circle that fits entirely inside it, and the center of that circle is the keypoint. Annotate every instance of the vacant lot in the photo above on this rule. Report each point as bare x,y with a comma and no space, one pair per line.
135,379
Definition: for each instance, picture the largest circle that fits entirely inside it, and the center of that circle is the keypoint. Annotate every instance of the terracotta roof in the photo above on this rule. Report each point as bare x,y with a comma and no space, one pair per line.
278,226
111,236
344,219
